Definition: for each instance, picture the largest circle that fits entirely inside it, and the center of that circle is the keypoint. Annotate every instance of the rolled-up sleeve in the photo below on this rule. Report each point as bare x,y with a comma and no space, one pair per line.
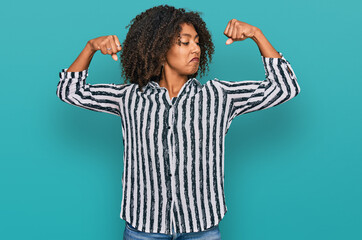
279,86
73,89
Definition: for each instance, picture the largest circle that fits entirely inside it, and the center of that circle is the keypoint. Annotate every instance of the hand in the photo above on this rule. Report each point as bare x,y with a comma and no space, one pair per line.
107,44
239,31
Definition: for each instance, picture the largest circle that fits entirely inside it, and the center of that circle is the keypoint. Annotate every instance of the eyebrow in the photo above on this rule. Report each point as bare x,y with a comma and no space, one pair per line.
188,35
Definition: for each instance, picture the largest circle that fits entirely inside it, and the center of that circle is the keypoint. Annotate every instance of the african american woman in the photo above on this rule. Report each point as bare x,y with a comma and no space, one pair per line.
173,126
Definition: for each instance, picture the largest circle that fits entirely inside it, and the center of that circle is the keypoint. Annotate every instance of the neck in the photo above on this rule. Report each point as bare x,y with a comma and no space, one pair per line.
172,81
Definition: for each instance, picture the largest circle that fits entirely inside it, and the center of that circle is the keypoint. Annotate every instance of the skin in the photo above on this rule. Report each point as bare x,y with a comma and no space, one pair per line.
177,64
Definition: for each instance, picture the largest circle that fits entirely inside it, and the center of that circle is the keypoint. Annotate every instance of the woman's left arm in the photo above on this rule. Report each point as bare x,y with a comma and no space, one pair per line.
279,86
239,31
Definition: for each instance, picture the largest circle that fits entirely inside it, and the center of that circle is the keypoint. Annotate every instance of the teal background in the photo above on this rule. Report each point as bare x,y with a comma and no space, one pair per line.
291,171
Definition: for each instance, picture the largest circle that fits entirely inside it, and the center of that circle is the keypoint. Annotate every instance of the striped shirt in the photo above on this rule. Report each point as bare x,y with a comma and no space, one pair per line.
173,156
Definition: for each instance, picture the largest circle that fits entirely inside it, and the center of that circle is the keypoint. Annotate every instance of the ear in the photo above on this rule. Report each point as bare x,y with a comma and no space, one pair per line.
163,60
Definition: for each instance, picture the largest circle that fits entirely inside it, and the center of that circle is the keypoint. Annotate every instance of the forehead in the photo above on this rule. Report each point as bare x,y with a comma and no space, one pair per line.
188,30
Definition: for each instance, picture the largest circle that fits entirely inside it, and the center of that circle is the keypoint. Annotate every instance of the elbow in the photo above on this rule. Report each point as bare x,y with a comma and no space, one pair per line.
61,94
296,89
293,89
58,91
292,93
289,92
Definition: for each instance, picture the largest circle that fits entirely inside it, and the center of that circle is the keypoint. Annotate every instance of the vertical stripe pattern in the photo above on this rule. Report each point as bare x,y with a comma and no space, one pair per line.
174,148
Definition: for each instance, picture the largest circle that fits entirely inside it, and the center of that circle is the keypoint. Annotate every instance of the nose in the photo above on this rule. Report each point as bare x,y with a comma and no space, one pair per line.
195,48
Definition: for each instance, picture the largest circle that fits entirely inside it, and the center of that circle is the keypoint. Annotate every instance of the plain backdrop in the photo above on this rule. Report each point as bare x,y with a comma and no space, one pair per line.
291,172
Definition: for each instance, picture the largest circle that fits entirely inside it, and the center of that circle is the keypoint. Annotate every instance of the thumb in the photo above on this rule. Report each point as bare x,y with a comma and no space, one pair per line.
229,41
114,56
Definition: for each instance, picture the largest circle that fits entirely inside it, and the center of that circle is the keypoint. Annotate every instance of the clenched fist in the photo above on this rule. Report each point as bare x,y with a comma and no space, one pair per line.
107,44
239,31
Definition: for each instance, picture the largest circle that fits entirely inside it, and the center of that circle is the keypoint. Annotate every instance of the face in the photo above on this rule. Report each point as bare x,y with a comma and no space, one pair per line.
186,47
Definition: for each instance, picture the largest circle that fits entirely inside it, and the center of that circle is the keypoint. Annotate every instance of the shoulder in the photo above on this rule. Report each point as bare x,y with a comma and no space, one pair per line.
125,85
218,83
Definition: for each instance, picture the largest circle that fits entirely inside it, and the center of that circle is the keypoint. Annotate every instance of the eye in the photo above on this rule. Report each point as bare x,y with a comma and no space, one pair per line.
187,43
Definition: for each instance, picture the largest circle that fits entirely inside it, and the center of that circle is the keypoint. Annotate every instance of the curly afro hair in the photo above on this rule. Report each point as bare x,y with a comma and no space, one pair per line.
151,35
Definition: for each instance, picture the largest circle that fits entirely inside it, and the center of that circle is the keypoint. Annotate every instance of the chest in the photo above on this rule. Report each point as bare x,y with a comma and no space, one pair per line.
186,113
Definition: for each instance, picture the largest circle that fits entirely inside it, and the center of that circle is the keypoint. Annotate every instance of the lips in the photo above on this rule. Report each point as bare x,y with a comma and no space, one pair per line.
195,60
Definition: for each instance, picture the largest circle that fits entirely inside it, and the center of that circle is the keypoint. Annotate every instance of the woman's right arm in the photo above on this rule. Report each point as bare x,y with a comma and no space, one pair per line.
83,60
73,89
107,44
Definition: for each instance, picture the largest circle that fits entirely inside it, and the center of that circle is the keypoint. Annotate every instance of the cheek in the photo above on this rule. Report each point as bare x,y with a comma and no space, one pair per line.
179,53
178,57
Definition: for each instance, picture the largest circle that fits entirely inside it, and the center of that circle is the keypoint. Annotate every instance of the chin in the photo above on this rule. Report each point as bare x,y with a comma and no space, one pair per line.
194,72
192,75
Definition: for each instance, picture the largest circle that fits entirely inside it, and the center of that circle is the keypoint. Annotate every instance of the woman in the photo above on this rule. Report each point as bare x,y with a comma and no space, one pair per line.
173,126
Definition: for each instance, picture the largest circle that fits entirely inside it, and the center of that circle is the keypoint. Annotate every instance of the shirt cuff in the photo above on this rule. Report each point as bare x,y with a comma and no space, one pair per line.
274,59
271,64
82,74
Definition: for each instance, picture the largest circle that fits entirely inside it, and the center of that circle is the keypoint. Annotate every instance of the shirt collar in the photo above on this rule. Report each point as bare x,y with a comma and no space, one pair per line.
192,82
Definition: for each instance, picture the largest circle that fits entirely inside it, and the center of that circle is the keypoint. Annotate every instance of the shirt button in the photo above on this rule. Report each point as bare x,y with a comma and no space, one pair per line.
170,198
170,174
168,127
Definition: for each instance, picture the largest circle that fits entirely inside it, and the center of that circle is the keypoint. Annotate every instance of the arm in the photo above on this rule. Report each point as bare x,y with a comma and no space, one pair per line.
73,89
107,44
279,86
265,48
83,60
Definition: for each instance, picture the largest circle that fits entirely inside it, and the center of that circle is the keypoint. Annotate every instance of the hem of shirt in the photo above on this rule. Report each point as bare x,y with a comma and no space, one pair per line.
170,233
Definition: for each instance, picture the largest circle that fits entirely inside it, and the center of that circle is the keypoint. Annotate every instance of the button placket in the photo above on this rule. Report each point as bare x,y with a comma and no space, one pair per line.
173,153
170,174
170,117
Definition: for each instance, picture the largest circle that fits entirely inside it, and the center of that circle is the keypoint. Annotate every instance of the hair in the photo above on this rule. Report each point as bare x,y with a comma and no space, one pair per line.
151,35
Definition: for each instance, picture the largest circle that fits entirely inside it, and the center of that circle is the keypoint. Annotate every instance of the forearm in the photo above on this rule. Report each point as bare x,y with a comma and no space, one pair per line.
83,60
265,48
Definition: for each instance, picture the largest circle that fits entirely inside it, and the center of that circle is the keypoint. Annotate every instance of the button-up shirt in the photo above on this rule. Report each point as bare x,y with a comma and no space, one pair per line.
173,156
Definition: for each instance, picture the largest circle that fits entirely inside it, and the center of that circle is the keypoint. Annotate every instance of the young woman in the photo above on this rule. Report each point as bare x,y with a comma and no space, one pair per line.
173,126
